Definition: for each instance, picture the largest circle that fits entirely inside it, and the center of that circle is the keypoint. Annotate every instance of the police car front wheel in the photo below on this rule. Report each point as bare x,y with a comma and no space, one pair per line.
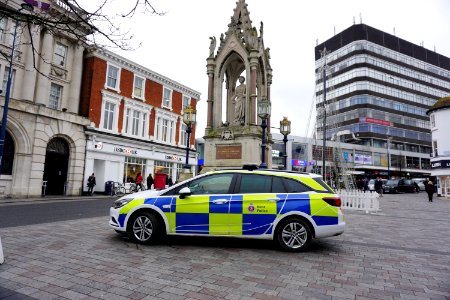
144,228
293,235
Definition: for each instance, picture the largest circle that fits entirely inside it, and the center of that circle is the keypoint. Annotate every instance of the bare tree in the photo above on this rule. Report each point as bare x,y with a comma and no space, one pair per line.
97,25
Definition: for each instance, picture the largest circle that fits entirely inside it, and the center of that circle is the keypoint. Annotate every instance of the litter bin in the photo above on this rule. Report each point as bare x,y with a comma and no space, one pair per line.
109,187
160,181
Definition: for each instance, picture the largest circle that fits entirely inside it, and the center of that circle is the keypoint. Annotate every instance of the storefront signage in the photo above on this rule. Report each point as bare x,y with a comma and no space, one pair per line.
128,151
228,151
174,157
442,164
363,159
375,121
299,162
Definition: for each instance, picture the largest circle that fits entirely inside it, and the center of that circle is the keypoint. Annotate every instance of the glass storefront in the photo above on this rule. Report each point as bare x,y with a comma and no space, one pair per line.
133,166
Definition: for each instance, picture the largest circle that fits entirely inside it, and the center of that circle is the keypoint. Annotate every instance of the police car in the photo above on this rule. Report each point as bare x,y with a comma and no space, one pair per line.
289,208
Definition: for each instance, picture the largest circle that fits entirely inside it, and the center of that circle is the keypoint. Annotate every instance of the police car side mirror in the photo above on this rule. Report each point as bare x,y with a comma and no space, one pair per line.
184,192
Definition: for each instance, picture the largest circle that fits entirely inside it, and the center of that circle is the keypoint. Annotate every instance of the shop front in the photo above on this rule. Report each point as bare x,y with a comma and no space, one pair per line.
441,169
122,161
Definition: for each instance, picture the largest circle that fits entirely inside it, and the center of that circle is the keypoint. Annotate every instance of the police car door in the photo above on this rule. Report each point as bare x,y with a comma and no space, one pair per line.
205,211
253,208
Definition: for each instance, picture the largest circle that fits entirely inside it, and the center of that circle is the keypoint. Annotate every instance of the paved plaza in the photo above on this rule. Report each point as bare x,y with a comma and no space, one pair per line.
403,252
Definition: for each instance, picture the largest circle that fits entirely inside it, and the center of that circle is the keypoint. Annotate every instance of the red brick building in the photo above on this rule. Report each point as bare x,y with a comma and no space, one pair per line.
136,120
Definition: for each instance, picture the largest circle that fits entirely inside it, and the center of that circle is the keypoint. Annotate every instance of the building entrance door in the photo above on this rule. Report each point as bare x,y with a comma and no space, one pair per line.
56,165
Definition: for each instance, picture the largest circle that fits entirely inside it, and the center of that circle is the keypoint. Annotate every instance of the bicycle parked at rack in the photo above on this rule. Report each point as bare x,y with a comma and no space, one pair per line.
120,189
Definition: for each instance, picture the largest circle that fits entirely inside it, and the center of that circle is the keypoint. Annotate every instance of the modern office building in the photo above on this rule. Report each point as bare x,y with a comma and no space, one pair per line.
378,90
136,120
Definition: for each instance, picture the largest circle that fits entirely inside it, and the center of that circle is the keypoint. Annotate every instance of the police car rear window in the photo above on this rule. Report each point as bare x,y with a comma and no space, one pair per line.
323,184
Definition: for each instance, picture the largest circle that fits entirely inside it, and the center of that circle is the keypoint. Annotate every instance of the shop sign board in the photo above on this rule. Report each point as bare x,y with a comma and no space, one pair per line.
441,164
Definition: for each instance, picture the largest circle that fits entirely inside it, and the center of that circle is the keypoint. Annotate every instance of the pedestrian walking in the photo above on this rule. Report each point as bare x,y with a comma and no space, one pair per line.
150,181
429,188
91,183
139,182
379,186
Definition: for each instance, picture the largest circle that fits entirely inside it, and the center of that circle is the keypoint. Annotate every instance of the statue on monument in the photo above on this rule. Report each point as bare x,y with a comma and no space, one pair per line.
239,101
212,46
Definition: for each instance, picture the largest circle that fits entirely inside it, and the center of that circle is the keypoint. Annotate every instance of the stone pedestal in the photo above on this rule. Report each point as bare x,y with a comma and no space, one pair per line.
232,147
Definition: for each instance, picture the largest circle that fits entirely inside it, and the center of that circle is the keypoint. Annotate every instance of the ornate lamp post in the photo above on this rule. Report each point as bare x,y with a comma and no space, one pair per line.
189,116
285,129
27,7
263,113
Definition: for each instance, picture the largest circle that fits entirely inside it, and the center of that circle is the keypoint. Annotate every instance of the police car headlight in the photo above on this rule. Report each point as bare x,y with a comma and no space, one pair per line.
121,202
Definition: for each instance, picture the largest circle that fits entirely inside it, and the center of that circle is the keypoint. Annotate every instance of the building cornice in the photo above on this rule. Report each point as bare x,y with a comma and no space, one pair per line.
144,72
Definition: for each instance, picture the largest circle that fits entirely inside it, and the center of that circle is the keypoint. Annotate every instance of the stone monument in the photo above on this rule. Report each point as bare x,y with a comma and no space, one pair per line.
233,133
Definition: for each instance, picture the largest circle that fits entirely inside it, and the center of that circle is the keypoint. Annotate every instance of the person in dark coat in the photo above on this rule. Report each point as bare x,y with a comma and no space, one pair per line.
429,188
150,181
91,183
379,186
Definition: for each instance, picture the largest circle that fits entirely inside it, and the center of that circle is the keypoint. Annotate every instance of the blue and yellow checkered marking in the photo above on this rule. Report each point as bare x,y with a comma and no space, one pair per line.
240,215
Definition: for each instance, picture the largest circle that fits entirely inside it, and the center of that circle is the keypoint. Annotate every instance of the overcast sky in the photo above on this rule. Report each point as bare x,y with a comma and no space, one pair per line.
176,45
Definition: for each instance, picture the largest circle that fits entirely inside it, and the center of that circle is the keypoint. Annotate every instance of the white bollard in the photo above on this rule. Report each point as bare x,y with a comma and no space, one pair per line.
2,258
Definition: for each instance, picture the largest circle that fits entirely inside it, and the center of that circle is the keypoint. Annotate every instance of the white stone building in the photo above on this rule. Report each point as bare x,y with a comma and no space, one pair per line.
440,161
45,141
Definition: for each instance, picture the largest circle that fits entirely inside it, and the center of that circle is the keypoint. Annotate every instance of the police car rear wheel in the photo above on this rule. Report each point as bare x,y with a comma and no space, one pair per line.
144,228
293,235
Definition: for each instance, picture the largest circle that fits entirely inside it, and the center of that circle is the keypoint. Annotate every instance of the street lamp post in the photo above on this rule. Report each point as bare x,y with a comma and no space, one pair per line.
263,113
389,156
8,84
285,129
189,116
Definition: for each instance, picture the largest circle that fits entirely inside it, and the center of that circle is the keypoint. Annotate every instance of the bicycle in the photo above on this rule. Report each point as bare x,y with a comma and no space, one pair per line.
118,189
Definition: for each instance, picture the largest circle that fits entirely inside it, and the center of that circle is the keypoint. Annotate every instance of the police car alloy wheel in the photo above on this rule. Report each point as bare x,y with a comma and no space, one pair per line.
144,228
293,235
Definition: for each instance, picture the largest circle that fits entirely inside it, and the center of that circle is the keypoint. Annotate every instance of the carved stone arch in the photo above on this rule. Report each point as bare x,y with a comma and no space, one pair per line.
230,66
19,135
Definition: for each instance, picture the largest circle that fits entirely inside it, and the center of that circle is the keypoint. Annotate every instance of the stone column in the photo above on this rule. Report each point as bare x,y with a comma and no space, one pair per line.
43,83
253,96
210,71
29,77
75,79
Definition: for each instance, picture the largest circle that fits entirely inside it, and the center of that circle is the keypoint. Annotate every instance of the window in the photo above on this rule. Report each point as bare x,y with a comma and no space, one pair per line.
110,111
186,102
167,98
433,121
135,122
435,149
112,77
3,22
255,184
55,96
59,57
183,135
294,186
165,126
214,184
5,81
139,87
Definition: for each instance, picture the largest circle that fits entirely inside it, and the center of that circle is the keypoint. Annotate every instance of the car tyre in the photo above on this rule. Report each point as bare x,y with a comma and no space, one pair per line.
144,228
293,235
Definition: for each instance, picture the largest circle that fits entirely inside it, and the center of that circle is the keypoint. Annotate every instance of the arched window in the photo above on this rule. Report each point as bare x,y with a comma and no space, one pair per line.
8,155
